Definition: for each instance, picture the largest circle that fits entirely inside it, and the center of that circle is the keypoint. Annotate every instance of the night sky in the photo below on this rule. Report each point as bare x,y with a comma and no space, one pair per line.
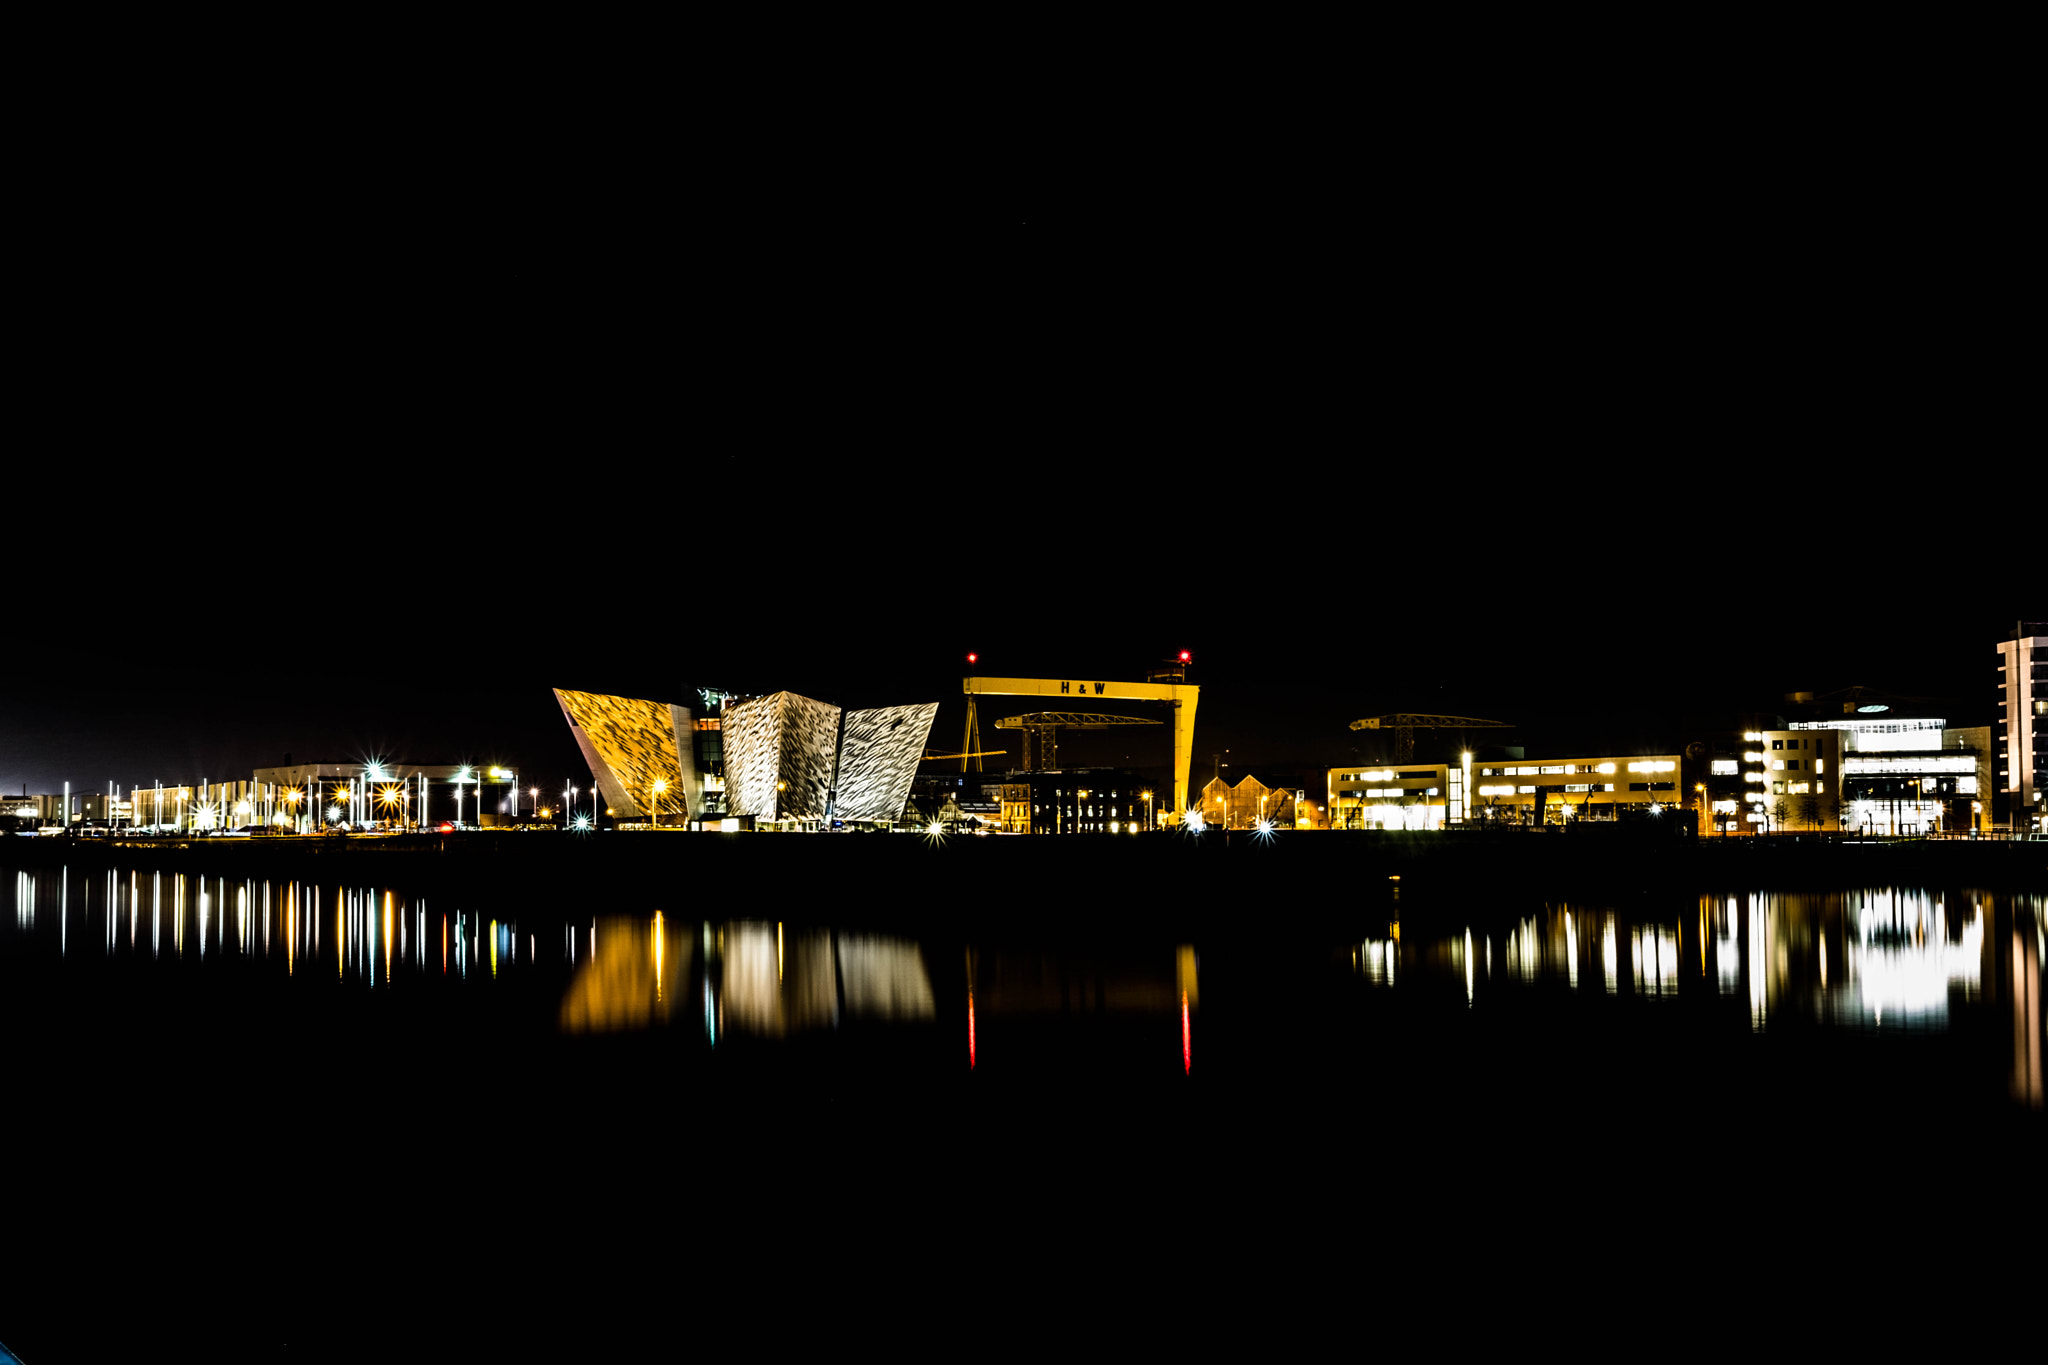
365,464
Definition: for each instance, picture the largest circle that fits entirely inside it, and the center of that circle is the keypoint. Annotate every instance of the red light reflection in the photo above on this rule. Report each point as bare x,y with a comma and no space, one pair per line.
1187,1056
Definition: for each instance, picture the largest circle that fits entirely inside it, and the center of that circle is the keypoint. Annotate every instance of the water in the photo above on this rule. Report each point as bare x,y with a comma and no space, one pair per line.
312,1060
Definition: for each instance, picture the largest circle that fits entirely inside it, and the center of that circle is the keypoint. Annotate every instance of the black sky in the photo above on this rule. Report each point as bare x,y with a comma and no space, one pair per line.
363,456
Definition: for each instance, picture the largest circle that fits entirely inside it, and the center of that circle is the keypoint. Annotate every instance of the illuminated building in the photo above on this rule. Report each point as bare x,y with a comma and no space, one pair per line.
779,758
1898,774
2022,729
1763,776
1554,791
1243,806
1389,796
1075,801
308,795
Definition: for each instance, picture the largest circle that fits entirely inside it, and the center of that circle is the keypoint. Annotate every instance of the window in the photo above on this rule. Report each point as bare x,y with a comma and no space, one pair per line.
1777,765
1724,767
1778,788
1526,791
1793,764
1777,744
1820,765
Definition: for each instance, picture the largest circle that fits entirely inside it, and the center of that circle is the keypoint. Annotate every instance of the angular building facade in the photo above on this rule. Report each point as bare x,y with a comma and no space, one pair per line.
778,757
784,756
878,757
631,745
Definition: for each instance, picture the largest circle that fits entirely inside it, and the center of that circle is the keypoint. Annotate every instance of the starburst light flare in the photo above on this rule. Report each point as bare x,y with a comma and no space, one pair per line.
1263,831
935,833
1191,820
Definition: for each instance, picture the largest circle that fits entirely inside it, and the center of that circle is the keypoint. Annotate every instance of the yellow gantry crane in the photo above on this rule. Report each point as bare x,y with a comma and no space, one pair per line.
1166,685
1404,724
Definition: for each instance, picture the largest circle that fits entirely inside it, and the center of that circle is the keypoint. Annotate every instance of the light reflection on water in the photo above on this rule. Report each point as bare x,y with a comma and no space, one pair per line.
1875,960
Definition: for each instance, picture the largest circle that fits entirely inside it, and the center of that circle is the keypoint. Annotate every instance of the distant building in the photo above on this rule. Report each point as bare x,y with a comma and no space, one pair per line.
782,758
1243,806
2021,758
1897,774
1082,800
307,795
1554,791
1390,796
1766,776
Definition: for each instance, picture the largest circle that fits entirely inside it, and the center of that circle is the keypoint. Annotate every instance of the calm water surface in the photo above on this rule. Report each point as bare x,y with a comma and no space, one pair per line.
1867,963
444,1088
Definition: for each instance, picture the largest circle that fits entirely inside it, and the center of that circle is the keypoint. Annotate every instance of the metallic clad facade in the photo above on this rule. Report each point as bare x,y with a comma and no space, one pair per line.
629,743
878,758
779,751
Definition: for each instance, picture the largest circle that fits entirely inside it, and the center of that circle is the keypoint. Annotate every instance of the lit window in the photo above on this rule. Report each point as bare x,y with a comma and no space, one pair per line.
1724,767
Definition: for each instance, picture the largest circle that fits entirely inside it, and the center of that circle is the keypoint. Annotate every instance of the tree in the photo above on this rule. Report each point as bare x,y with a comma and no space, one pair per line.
1809,810
1781,810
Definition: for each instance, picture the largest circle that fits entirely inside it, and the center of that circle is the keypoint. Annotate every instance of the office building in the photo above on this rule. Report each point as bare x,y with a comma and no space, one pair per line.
2020,765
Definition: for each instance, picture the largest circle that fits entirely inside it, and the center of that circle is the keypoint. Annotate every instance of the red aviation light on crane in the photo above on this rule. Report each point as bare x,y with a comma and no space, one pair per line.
1185,657
974,658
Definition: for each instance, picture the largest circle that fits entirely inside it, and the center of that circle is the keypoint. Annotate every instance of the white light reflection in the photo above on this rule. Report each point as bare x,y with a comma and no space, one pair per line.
1903,964
1655,951
1376,958
1759,964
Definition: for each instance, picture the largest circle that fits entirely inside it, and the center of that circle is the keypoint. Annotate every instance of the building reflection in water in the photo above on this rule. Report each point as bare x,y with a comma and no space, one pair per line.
1877,960
756,978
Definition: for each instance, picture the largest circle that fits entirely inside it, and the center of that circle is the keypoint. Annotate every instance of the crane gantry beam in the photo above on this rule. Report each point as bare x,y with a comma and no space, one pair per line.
1181,696
1404,724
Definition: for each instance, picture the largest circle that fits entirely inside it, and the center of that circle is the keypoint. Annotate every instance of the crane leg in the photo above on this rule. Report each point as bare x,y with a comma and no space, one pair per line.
1183,745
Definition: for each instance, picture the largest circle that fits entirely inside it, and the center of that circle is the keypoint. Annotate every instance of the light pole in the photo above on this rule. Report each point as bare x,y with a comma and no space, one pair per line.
660,786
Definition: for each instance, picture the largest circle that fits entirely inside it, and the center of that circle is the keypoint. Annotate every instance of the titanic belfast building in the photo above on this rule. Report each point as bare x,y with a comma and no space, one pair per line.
776,758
